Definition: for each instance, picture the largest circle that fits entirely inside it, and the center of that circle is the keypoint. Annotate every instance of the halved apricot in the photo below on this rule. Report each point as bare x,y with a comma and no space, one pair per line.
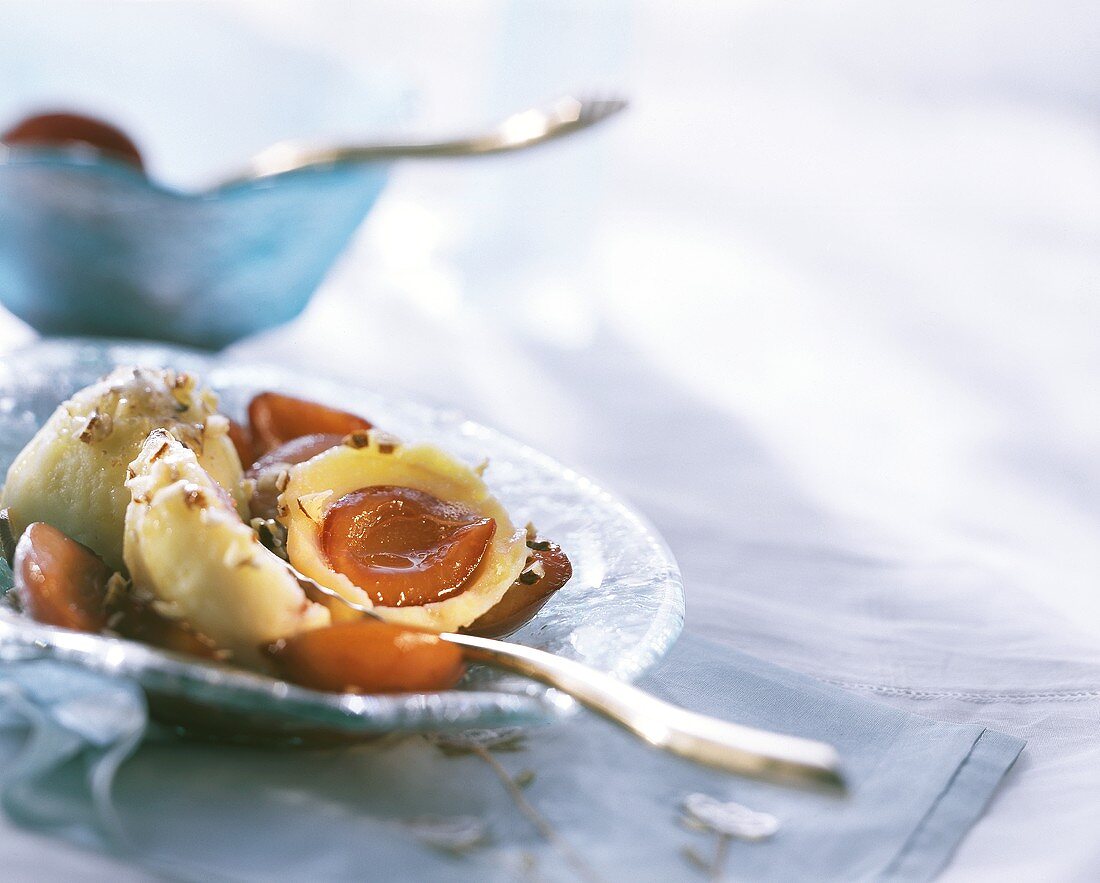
59,581
297,450
368,656
525,597
62,129
265,496
404,547
275,418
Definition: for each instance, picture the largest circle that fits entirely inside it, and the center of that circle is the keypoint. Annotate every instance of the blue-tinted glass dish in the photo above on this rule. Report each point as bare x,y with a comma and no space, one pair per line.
90,245
620,613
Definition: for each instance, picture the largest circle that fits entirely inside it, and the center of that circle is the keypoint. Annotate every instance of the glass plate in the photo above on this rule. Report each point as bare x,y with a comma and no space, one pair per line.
620,612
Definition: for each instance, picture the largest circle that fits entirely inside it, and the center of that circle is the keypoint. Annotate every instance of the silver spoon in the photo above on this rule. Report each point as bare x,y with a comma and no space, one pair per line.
747,751
527,128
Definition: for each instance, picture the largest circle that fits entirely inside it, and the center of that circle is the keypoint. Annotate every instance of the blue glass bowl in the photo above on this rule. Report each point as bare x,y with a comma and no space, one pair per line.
91,246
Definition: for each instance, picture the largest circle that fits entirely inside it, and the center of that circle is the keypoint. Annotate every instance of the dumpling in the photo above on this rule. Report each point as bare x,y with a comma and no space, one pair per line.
405,529
72,473
186,545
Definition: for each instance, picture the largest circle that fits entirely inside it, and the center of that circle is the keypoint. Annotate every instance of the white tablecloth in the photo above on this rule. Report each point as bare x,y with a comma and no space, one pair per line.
824,305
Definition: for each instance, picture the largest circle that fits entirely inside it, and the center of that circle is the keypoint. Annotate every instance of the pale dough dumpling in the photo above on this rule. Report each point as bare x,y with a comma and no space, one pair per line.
370,460
186,545
72,473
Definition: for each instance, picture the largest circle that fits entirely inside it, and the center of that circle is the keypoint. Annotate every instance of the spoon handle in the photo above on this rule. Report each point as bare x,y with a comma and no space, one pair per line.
527,128
734,748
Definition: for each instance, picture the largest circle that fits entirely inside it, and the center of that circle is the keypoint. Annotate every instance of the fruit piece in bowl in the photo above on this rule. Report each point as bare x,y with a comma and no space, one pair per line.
73,130
61,582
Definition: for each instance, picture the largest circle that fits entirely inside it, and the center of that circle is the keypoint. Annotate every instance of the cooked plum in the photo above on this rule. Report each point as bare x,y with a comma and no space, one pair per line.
368,656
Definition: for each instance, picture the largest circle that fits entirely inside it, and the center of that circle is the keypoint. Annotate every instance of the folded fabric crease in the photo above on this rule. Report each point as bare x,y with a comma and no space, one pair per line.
916,787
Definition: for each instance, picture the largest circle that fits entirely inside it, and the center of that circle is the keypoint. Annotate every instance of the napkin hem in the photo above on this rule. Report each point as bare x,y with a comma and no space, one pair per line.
957,808
1066,695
